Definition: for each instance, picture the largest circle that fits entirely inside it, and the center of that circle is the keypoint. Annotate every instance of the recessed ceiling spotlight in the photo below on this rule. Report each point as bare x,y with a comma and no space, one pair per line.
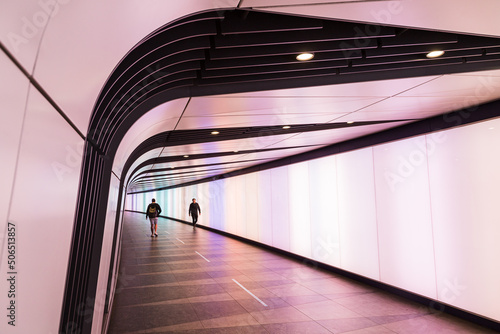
304,56
286,127
236,151
435,54
186,156
214,132
172,167
350,122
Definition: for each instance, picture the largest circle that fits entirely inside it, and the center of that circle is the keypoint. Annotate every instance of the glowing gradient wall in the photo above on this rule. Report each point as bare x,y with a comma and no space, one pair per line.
421,214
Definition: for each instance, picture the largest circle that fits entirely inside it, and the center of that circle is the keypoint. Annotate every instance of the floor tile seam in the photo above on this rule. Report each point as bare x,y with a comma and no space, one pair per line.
246,312
402,302
153,273
167,262
192,303
370,317
329,331
161,246
151,286
316,320
146,241
151,263
266,290
396,321
187,271
263,299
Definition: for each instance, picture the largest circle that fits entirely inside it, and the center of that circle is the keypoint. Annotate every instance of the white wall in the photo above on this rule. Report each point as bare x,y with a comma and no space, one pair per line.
40,173
420,214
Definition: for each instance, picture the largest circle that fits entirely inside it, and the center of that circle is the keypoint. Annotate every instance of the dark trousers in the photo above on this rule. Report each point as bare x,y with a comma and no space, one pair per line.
195,218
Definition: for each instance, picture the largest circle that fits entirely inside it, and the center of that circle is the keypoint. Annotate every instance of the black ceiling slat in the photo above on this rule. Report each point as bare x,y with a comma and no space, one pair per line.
268,77
244,22
186,169
419,50
198,136
401,65
160,160
493,51
419,58
350,33
159,170
485,59
272,69
160,176
464,43
218,64
419,37
349,50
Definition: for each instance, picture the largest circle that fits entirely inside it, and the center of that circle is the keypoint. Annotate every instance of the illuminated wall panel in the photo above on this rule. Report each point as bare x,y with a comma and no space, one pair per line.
324,210
252,203
171,204
230,204
465,188
404,216
216,217
299,219
203,199
160,199
420,214
240,203
280,208
182,199
357,214
264,207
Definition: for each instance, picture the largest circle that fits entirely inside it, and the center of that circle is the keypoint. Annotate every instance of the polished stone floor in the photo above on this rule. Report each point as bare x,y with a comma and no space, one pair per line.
191,280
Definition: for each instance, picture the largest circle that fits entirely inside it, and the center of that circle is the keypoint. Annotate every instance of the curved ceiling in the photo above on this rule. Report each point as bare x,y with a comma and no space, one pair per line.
73,74
234,72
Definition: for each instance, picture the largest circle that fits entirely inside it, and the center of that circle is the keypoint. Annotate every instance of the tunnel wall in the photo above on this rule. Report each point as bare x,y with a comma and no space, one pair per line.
40,169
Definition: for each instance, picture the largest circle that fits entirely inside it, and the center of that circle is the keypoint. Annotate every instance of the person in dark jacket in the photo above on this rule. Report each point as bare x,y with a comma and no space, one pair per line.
152,212
194,208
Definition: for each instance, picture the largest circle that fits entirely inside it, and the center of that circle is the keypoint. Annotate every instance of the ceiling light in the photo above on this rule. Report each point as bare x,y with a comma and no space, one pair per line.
186,156
435,54
304,56
235,151
350,122
214,132
286,127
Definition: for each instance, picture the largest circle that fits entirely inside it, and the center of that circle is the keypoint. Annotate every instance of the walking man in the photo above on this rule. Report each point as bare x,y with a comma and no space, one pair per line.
152,213
194,208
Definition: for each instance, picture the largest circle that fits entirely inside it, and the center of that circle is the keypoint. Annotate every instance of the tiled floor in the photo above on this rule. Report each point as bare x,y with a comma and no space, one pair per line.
193,281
